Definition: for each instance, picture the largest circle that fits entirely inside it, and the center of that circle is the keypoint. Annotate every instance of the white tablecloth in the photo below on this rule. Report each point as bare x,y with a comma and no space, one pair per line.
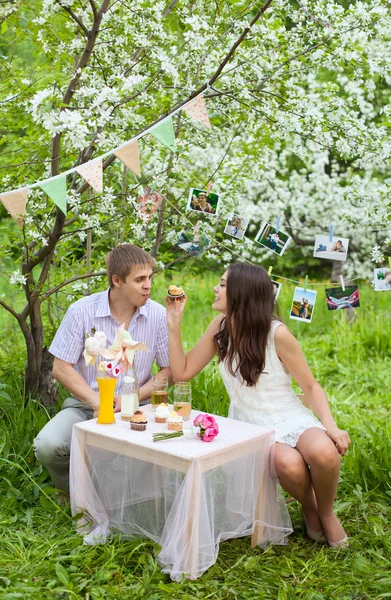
185,494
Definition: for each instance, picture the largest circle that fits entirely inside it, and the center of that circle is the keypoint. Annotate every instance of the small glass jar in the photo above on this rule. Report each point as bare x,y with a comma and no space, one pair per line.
130,394
159,391
182,399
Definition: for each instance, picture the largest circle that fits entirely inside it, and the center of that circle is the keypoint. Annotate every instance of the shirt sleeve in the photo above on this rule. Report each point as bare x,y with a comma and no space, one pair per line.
68,343
161,349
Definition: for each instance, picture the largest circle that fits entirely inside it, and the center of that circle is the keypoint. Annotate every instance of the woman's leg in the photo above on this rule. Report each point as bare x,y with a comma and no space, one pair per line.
322,457
294,477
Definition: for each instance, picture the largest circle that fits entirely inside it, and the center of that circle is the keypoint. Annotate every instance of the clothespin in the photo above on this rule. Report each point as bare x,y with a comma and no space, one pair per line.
209,188
278,224
331,232
270,271
196,226
342,282
306,283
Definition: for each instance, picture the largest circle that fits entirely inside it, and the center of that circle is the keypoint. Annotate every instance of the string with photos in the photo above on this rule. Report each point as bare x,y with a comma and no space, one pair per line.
346,226
242,258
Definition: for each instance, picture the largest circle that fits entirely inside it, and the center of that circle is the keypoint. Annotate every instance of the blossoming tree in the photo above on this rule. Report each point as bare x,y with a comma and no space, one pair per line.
297,94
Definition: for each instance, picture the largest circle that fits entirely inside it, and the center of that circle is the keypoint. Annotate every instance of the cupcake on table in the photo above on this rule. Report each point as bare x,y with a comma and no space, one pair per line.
162,412
174,421
138,421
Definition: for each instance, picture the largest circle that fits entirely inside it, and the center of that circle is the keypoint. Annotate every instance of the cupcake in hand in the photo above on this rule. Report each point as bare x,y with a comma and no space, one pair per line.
175,292
161,413
138,421
174,421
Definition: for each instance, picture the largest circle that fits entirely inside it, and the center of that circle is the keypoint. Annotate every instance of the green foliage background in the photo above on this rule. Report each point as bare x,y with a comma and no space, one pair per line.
41,556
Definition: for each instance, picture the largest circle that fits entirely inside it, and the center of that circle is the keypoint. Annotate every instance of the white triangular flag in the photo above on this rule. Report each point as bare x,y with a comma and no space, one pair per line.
197,110
92,172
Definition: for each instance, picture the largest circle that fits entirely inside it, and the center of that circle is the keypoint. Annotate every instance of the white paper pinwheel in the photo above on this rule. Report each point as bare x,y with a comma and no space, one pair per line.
93,347
123,348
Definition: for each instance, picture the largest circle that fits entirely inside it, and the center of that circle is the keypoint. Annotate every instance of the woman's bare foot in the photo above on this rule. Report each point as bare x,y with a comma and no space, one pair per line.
333,529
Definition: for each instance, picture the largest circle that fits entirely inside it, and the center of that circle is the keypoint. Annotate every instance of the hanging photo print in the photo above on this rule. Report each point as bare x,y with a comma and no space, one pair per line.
337,298
236,226
277,289
201,201
303,303
149,202
382,280
334,249
193,242
268,236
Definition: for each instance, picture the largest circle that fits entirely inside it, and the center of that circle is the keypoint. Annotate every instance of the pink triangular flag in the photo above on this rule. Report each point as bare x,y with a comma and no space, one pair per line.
93,174
15,203
130,157
197,110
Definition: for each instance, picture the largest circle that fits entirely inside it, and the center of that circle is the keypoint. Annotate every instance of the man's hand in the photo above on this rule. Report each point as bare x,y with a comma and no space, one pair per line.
117,403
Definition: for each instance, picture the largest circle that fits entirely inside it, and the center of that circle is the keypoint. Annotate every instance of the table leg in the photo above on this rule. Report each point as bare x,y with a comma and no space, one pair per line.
259,513
192,541
78,469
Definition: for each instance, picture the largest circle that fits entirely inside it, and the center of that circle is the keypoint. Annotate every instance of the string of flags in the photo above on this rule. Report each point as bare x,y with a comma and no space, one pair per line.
15,201
194,242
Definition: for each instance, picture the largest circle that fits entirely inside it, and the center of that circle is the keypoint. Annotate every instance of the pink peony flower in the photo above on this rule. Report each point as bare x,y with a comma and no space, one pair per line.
209,434
197,420
207,421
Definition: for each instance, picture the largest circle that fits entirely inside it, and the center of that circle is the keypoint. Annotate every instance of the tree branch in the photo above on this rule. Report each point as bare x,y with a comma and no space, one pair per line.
239,41
68,281
10,310
45,250
74,17
94,9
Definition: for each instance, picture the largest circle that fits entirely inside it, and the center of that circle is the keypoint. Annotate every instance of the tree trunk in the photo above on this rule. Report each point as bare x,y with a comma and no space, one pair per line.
39,382
336,271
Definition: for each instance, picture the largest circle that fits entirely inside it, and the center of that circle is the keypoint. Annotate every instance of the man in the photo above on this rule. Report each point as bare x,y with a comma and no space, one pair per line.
129,270
337,247
385,285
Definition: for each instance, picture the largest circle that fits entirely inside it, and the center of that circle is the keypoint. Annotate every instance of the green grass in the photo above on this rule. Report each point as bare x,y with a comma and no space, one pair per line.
41,556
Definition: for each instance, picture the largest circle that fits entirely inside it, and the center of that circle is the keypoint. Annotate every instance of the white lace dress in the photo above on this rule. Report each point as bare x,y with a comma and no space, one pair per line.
271,402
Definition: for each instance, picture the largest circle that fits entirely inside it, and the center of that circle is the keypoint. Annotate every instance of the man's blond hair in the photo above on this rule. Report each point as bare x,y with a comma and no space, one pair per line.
121,260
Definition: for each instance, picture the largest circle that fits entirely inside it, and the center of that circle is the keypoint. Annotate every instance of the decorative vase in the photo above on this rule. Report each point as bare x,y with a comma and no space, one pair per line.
106,399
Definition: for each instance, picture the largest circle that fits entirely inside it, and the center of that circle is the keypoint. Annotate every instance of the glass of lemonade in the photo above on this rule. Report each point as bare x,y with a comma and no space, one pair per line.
182,399
159,391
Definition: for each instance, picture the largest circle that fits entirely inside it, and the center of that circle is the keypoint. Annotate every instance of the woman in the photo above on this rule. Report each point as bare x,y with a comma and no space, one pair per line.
257,355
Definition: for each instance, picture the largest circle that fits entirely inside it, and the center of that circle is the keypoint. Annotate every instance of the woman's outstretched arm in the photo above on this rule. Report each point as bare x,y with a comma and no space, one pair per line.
289,352
185,366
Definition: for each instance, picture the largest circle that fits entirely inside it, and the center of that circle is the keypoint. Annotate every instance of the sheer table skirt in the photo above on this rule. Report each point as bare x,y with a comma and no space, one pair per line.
187,513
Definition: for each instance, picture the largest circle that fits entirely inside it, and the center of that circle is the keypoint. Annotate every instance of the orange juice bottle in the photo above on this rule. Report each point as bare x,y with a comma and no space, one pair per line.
106,399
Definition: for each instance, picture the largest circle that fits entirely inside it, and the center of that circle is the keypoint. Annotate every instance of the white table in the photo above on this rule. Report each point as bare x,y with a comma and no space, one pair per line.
185,494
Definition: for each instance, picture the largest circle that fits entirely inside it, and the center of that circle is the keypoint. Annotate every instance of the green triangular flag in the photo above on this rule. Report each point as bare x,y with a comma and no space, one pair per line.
164,132
56,189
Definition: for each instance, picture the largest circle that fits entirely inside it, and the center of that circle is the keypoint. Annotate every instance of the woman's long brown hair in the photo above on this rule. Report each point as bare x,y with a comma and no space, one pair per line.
244,331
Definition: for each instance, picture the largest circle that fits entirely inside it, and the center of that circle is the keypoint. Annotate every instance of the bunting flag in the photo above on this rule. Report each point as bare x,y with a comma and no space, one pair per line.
130,157
15,204
164,132
92,172
56,189
197,110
